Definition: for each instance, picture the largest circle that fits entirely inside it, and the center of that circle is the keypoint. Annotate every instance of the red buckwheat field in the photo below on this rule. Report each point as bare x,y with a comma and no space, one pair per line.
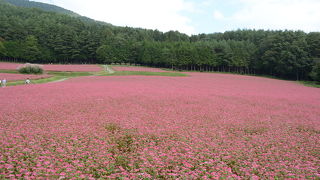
203,126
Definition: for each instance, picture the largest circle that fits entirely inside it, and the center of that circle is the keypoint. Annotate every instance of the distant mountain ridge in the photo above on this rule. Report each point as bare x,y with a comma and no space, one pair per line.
51,8
42,6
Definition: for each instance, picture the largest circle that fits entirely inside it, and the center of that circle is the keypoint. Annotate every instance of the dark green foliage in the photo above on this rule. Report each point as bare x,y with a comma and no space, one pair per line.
3,51
31,49
313,40
30,69
36,35
315,73
284,54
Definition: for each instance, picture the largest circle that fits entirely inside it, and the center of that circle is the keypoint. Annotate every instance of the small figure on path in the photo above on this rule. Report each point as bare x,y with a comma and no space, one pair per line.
4,83
27,81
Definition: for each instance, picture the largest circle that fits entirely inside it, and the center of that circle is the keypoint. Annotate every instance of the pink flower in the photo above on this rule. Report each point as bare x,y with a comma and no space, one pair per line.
204,126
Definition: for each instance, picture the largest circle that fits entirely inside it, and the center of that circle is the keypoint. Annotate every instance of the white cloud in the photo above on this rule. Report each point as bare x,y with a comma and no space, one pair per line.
164,15
218,15
184,16
278,14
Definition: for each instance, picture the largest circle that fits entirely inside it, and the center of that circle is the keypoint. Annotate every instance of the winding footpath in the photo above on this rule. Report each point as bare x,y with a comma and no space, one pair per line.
60,80
108,69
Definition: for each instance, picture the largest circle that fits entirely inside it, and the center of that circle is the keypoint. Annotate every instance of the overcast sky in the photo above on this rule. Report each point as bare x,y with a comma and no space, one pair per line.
201,16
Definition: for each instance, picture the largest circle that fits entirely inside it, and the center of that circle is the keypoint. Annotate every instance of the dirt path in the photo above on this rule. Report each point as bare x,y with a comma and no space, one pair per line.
108,69
60,80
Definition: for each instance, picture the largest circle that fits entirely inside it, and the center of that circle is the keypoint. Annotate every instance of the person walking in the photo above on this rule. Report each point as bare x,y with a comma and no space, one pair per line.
4,82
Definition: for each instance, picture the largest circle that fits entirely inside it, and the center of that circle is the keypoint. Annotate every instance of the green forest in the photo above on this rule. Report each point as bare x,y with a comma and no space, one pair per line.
41,33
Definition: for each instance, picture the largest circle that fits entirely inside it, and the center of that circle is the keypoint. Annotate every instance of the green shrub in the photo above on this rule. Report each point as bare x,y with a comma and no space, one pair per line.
30,69
113,128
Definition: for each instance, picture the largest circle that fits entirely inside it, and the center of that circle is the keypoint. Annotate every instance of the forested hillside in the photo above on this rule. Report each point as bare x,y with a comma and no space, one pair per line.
43,6
34,35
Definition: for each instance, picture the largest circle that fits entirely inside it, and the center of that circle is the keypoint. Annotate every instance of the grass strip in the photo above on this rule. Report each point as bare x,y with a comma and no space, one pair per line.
56,76
143,73
310,83
9,71
37,81
69,74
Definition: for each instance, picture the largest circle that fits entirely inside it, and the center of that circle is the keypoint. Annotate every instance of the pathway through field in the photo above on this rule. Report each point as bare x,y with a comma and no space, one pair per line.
109,69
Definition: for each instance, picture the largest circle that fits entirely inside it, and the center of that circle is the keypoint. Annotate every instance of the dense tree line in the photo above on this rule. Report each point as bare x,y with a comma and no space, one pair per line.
34,35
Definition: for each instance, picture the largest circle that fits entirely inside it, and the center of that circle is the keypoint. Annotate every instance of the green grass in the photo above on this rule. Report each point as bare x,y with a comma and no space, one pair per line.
37,81
9,71
126,65
310,83
56,76
69,74
143,73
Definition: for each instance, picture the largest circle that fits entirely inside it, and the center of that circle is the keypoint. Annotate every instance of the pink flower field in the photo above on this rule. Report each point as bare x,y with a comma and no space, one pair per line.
9,66
16,77
56,67
133,68
204,126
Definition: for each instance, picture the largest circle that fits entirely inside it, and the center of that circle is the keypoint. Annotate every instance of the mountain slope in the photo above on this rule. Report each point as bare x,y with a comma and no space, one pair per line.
43,6
51,8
